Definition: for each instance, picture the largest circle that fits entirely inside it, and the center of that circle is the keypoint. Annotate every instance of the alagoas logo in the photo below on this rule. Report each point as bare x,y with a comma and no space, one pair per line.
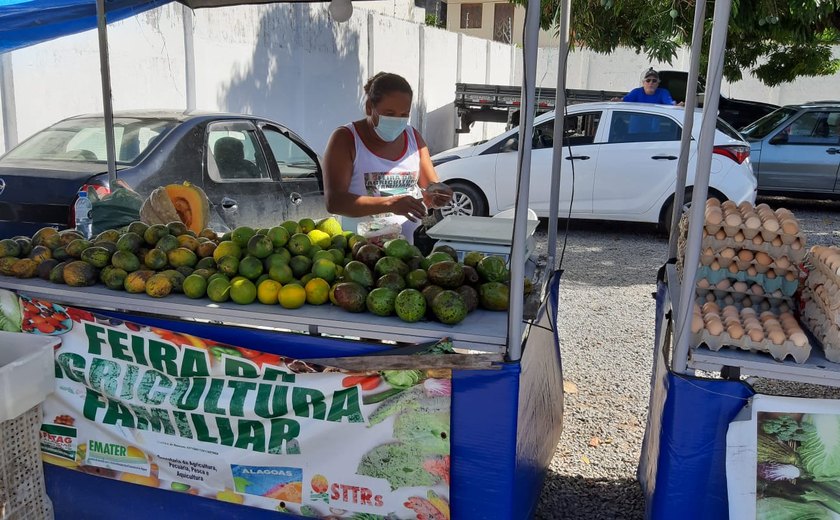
261,471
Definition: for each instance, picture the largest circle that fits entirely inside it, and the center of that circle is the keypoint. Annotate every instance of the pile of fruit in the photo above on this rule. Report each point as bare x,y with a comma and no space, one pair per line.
292,264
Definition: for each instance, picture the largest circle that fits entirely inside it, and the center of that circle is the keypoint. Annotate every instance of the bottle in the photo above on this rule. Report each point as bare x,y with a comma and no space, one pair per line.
82,209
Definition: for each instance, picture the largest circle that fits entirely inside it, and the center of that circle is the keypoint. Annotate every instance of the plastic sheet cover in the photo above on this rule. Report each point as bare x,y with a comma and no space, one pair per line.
683,462
27,22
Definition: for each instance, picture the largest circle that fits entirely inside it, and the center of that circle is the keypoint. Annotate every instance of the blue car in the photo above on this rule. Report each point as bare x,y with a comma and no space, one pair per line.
795,150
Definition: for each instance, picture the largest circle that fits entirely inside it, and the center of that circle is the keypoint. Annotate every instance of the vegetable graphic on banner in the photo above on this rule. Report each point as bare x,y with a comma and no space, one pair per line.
798,466
170,410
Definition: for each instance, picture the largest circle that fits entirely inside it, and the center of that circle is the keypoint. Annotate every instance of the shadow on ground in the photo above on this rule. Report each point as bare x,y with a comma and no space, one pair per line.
566,497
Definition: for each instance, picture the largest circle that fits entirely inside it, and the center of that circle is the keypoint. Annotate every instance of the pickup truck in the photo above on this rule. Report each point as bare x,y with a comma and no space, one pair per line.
500,103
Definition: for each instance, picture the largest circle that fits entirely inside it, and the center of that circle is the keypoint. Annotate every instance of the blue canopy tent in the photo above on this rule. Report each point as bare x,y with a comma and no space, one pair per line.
27,22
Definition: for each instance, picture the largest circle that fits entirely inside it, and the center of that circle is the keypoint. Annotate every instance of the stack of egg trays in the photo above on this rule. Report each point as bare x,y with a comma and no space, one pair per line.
821,309
779,352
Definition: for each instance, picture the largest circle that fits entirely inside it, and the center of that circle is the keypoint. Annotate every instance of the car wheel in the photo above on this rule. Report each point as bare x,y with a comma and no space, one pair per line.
466,201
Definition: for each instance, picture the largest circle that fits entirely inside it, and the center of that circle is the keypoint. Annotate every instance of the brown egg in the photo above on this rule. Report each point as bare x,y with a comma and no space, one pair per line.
747,311
740,286
745,255
770,274
782,262
714,266
711,307
714,216
727,253
757,289
790,276
758,240
746,302
777,242
703,283
712,202
739,236
797,244
745,206
720,235
756,335
763,258
777,336
723,284
735,331
733,218
708,251
752,222
733,268
799,339
728,205
770,223
790,226
696,324
766,315
715,328
751,271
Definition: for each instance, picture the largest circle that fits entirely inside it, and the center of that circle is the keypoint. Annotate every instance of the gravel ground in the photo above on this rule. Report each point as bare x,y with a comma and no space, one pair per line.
606,331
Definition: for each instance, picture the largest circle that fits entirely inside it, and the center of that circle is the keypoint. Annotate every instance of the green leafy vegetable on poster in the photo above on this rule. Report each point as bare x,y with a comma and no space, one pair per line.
775,508
819,450
786,428
10,313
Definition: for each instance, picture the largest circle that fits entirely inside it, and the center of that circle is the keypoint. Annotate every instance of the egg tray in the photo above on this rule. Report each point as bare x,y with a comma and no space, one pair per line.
779,352
829,304
749,234
816,266
720,294
795,255
776,306
823,329
743,265
788,287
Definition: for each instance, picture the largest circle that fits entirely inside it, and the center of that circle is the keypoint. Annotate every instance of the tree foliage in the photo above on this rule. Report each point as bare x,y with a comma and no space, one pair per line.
777,40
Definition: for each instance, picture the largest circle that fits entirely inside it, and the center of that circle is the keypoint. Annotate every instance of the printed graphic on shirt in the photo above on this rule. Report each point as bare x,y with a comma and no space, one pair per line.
379,184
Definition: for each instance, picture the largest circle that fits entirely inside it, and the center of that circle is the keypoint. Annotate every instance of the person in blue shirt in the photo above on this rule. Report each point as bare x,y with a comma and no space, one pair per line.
650,92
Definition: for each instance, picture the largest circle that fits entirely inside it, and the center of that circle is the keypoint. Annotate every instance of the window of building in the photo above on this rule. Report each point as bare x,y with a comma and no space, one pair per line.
470,16
503,23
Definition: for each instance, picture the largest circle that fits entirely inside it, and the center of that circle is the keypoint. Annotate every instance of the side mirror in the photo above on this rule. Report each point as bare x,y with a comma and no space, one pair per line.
780,138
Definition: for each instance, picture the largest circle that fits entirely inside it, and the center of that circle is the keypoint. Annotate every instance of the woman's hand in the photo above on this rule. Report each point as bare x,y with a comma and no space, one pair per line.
408,206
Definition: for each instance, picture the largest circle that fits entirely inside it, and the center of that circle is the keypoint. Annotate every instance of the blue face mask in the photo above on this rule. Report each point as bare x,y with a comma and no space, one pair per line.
390,128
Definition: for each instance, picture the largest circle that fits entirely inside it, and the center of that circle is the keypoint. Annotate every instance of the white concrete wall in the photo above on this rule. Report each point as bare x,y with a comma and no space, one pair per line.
292,63
622,70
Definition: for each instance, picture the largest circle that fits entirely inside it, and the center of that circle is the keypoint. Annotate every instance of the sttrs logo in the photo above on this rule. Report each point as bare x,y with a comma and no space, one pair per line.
354,495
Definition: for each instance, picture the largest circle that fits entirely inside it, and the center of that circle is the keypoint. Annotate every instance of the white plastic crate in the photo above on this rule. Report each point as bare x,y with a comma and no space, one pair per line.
26,378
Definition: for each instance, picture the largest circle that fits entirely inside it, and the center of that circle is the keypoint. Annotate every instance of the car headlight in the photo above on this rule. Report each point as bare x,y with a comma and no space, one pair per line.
444,159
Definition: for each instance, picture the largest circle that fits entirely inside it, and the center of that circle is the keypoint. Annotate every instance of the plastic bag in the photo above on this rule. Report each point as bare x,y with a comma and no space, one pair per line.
119,208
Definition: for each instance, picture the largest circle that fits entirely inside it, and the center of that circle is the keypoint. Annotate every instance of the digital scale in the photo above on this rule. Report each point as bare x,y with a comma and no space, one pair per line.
486,235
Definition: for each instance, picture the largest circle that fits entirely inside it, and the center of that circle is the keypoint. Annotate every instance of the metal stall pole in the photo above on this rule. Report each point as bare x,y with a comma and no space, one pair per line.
559,132
688,124
7,102
526,130
107,109
701,183
188,22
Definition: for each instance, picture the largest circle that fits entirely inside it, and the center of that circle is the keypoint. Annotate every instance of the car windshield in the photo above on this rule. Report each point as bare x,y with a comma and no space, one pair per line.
83,140
759,129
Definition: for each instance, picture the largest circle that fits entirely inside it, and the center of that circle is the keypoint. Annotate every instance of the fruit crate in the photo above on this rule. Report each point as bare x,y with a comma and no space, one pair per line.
26,378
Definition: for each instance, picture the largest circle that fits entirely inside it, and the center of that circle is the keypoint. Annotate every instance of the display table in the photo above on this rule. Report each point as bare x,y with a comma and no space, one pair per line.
505,423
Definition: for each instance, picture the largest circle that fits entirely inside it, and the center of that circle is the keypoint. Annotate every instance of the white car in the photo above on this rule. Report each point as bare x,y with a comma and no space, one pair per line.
622,156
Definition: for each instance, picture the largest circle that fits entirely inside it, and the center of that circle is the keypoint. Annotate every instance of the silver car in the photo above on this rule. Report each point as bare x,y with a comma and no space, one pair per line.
796,149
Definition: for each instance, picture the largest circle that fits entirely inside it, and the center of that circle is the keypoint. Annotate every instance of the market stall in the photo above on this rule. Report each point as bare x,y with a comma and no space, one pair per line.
742,295
499,422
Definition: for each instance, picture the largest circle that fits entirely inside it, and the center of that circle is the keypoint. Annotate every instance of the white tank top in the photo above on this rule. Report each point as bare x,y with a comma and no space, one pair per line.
376,176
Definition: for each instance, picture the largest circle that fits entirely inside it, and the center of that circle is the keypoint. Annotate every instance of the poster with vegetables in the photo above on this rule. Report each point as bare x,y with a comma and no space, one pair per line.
168,410
794,460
